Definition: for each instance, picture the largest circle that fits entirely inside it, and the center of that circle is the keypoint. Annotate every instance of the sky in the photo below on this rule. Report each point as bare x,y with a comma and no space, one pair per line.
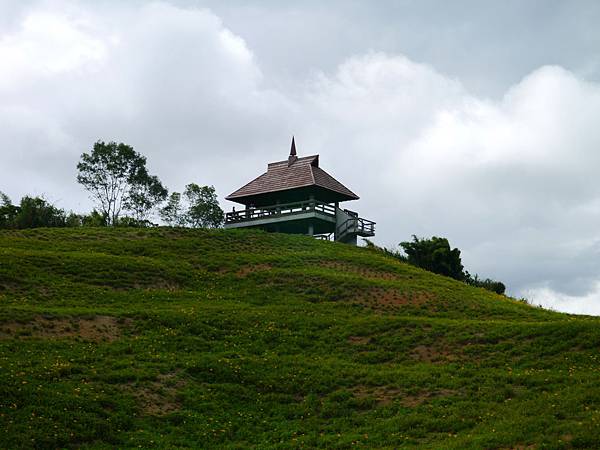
478,121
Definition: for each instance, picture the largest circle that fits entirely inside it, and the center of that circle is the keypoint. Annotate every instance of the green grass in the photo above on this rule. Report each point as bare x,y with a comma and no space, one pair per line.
182,338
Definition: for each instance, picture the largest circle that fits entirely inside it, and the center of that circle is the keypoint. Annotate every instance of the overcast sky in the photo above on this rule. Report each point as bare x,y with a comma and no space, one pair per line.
474,120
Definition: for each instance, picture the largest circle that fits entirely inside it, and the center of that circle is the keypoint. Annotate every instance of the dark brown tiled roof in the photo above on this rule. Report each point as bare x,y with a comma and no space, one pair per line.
292,174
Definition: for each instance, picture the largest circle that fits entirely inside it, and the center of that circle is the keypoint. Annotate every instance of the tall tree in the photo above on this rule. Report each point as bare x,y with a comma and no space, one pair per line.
145,193
172,213
116,177
8,212
204,210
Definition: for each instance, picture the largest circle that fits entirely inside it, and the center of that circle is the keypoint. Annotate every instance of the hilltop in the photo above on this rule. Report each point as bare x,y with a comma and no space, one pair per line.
113,338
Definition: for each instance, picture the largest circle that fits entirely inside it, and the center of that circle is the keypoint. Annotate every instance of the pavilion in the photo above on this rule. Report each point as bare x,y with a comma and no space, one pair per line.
297,196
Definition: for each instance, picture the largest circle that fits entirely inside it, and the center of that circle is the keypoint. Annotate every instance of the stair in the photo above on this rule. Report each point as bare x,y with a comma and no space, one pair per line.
353,227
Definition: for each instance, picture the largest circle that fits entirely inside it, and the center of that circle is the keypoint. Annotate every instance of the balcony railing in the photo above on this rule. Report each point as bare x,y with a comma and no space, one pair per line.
279,210
356,225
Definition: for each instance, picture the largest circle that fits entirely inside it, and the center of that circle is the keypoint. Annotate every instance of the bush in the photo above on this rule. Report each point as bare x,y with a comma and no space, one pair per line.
491,285
36,212
95,219
386,251
434,255
131,222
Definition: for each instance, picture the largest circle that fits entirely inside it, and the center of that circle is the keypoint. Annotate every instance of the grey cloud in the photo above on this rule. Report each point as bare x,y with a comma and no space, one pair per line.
488,45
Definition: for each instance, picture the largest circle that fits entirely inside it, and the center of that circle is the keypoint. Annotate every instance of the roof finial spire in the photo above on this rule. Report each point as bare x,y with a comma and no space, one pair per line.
292,158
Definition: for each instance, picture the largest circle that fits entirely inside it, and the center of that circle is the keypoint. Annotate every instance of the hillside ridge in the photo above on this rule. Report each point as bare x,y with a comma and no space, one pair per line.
236,339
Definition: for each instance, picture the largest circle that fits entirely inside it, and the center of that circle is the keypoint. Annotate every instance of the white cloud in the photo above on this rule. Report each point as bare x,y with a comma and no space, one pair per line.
48,44
558,301
173,82
512,182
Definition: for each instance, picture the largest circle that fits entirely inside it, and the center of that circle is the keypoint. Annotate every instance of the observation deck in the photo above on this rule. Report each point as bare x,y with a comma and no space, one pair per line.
320,219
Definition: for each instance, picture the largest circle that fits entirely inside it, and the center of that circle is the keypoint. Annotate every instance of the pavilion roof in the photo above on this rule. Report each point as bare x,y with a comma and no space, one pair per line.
292,173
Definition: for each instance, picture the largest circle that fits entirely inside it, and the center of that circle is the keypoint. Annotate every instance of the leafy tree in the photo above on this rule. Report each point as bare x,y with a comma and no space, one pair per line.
95,219
172,212
204,210
8,212
37,212
145,194
116,177
434,255
4,199
73,220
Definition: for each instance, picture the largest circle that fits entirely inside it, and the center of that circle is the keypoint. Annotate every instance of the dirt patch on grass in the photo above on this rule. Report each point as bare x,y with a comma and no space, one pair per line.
162,285
9,286
159,397
520,447
386,395
365,272
435,354
411,401
247,270
359,340
96,328
386,299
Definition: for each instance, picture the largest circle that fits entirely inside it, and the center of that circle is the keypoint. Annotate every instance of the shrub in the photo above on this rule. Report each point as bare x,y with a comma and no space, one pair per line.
434,255
491,285
37,212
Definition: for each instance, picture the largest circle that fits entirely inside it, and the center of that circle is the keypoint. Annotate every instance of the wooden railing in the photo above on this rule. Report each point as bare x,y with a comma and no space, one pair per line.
279,210
356,225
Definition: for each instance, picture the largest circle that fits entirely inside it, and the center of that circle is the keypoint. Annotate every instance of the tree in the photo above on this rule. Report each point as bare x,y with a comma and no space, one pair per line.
73,220
8,212
172,212
94,219
5,199
204,210
37,212
145,194
434,255
116,177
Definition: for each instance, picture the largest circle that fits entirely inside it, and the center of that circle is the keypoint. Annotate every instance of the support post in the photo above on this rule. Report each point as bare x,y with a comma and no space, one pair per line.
311,203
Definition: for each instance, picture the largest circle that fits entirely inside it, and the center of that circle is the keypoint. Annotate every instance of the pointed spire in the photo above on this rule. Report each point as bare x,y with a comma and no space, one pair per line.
292,158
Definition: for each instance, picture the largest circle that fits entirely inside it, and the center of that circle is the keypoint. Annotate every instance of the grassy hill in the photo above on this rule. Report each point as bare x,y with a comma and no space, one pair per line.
181,338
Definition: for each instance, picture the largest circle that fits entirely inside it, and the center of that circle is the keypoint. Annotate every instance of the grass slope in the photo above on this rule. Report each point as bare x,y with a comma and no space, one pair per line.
180,338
